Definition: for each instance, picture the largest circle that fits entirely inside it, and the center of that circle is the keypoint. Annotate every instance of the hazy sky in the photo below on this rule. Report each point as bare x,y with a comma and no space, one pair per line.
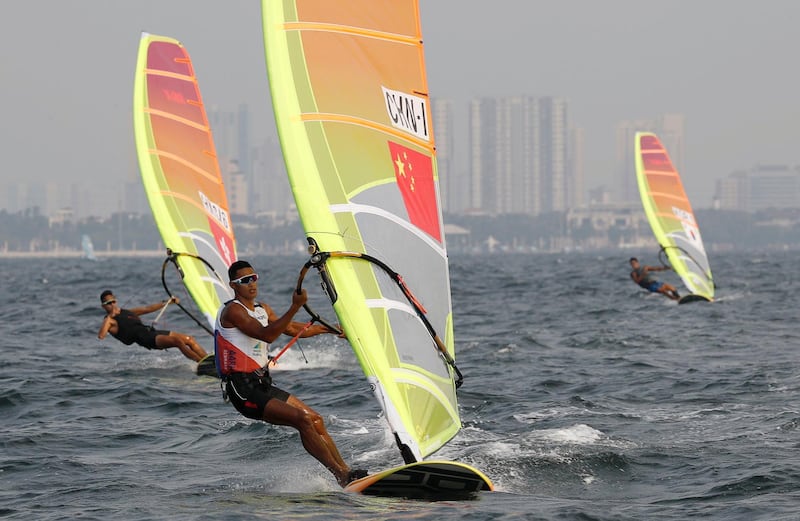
729,66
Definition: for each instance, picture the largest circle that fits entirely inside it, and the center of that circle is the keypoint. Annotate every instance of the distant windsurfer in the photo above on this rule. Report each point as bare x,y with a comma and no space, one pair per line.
641,276
244,330
126,326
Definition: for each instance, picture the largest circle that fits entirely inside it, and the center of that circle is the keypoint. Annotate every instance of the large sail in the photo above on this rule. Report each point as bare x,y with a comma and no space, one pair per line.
351,104
670,215
180,170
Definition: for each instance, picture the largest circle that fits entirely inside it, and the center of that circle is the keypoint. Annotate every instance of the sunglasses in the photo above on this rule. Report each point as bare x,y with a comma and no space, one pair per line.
107,302
247,279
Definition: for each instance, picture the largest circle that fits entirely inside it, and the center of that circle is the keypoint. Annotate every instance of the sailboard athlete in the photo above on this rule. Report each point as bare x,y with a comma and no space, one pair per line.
641,276
243,331
126,326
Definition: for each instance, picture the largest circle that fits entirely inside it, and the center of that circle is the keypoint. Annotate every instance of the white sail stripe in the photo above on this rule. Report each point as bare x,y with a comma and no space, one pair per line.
692,264
386,303
689,257
213,280
199,238
691,244
363,208
695,253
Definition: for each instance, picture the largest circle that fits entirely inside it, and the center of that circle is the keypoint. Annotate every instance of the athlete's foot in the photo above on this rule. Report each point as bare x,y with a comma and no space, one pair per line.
358,474
351,476
355,474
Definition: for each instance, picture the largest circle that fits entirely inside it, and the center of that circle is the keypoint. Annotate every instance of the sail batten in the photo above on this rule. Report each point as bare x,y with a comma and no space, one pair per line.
670,214
179,170
311,116
348,29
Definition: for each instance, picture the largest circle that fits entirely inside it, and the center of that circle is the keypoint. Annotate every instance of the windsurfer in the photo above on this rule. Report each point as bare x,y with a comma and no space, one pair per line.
244,329
126,326
641,276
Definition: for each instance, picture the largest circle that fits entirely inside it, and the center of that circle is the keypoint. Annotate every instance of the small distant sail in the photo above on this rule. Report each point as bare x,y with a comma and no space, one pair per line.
88,247
180,171
670,215
351,103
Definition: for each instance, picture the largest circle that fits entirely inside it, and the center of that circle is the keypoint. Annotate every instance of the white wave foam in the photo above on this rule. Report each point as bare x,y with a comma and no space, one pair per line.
317,355
579,434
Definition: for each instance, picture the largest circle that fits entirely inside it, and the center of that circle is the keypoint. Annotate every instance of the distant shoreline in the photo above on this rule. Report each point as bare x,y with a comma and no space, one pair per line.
100,255
68,254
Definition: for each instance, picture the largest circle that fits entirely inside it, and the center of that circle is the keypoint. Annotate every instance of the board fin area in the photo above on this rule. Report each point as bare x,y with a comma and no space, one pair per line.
435,480
691,297
207,367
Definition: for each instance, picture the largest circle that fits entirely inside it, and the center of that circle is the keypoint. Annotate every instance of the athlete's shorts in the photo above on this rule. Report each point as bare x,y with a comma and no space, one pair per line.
655,286
146,337
249,393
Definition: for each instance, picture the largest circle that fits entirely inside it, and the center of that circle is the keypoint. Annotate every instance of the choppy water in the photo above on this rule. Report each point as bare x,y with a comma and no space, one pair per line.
584,398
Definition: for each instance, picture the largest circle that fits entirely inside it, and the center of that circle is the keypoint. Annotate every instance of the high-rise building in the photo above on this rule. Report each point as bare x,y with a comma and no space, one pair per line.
453,188
236,189
730,192
243,138
773,187
243,153
519,150
762,187
482,154
575,168
270,181
17,197
224,128
553,116
232,133
518,172
627,189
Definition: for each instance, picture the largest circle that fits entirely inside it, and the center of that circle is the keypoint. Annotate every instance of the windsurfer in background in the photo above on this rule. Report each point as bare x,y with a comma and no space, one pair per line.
244,330
126,326
641,276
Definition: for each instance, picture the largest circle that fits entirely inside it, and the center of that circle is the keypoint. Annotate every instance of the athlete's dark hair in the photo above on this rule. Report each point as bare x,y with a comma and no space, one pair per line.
633,259
236,266
104,294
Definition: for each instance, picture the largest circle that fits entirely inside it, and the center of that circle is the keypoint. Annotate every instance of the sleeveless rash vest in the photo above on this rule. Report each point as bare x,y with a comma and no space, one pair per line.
236,352
128,326
647,279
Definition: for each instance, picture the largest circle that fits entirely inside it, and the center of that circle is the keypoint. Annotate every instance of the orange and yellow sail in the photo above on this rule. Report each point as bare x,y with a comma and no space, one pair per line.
351,103
180,170
670,215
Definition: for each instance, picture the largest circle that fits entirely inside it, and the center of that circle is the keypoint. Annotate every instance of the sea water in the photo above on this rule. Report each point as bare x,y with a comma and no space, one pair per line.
584,397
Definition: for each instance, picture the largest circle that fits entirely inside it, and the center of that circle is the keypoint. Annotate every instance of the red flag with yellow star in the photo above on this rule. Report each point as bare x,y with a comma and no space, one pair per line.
414,173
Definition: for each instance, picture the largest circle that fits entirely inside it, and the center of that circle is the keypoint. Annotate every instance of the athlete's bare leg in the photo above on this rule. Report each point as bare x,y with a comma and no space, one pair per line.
670,291
314,435
185,343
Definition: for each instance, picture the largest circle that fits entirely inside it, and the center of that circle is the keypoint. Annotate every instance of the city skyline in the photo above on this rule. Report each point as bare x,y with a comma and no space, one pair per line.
524,157
69,66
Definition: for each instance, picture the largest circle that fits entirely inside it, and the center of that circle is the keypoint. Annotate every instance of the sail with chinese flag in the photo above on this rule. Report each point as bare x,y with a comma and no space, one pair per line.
180,171
670,215
352,107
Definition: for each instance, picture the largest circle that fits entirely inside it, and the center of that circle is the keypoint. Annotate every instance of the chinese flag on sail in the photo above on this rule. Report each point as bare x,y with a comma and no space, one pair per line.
414,173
